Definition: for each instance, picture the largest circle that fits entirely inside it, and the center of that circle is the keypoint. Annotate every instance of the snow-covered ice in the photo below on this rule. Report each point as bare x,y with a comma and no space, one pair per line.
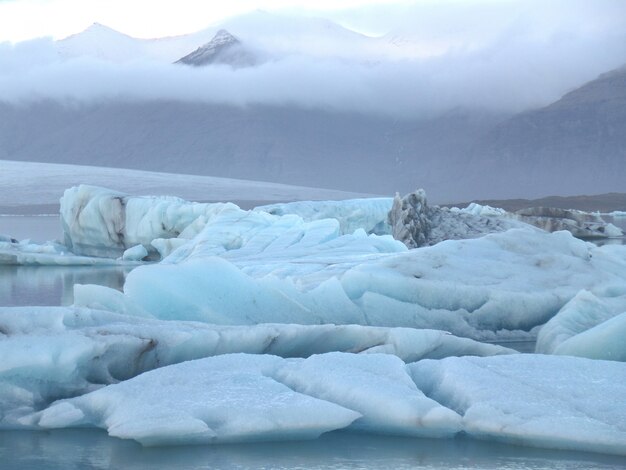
258,397
367,214
101,222
54,352
222,399
531,399
13,252
284,270
580,224
587,326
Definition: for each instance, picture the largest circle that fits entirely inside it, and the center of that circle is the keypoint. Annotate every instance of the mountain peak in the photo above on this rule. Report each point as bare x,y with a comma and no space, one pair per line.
223,48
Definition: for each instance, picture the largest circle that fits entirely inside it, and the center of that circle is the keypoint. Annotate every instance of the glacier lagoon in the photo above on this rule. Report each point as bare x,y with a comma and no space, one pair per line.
330,451
79,449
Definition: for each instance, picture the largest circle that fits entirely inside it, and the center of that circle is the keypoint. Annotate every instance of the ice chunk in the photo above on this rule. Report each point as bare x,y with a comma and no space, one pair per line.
49,254
604,341
222,399
583,312
417,224
251,397
544,401
102,222
378,387
136,253
580,224
54,352
352,214
500,285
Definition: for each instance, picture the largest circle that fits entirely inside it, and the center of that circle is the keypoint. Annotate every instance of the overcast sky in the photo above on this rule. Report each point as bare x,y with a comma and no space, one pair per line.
505,55
27,19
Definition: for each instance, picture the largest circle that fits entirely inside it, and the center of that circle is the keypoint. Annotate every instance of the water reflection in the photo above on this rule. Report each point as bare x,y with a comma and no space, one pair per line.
86,448
53,285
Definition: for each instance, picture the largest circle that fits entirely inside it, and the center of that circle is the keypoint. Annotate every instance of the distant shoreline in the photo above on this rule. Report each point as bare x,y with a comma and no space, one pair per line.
604,203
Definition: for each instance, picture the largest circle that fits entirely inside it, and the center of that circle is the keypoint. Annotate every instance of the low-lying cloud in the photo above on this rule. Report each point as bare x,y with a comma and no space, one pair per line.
514,71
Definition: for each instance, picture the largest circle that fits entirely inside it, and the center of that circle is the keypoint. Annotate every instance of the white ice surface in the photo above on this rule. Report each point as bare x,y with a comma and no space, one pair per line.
502,285
222,399
530,399
53,352
367,214
584,312
253,397
50,253
604,341
102,222
33,183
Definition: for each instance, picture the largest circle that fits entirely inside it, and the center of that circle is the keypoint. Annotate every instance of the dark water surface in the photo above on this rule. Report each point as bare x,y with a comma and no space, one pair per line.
93,449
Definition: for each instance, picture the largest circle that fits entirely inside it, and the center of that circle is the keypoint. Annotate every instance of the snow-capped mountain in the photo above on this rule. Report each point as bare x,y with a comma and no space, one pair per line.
275,34
224,48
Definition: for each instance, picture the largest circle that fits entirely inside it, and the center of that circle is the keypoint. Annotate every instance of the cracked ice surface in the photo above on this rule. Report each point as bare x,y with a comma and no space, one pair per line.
530,399
587,326
50,353
499,286
250,397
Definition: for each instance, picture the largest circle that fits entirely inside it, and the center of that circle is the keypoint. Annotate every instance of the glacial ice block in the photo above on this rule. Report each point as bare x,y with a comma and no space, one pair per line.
54,352
13,252
103,222
530,399
223,399
585,312
245,397
501,285
368,214
378,387
604,341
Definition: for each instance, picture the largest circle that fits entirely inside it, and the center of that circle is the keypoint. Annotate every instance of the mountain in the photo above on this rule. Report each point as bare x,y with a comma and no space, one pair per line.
573,146
282,144
276,34
224,48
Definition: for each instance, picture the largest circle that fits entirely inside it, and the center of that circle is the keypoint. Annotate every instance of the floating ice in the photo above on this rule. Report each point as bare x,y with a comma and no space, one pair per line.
353,214
251,397
102,222
54,352
544,401
23,252
586,327
417,224
580,224
223,399
136,253
502,285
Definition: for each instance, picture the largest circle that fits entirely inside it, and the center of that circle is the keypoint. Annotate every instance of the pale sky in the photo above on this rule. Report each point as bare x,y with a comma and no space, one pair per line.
27,19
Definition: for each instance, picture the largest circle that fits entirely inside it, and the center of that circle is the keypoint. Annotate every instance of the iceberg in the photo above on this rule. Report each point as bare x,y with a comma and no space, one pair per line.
13,252
530,399
50,353
417,224
223,399
587,326
102,222
580,224
246,397
503,285
352,214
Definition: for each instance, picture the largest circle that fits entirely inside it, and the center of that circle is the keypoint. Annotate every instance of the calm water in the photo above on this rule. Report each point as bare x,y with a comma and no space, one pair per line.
47,285
93,449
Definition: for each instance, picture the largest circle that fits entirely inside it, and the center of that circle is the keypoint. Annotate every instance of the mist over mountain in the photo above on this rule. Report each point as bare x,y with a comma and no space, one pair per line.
307,101
577,143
